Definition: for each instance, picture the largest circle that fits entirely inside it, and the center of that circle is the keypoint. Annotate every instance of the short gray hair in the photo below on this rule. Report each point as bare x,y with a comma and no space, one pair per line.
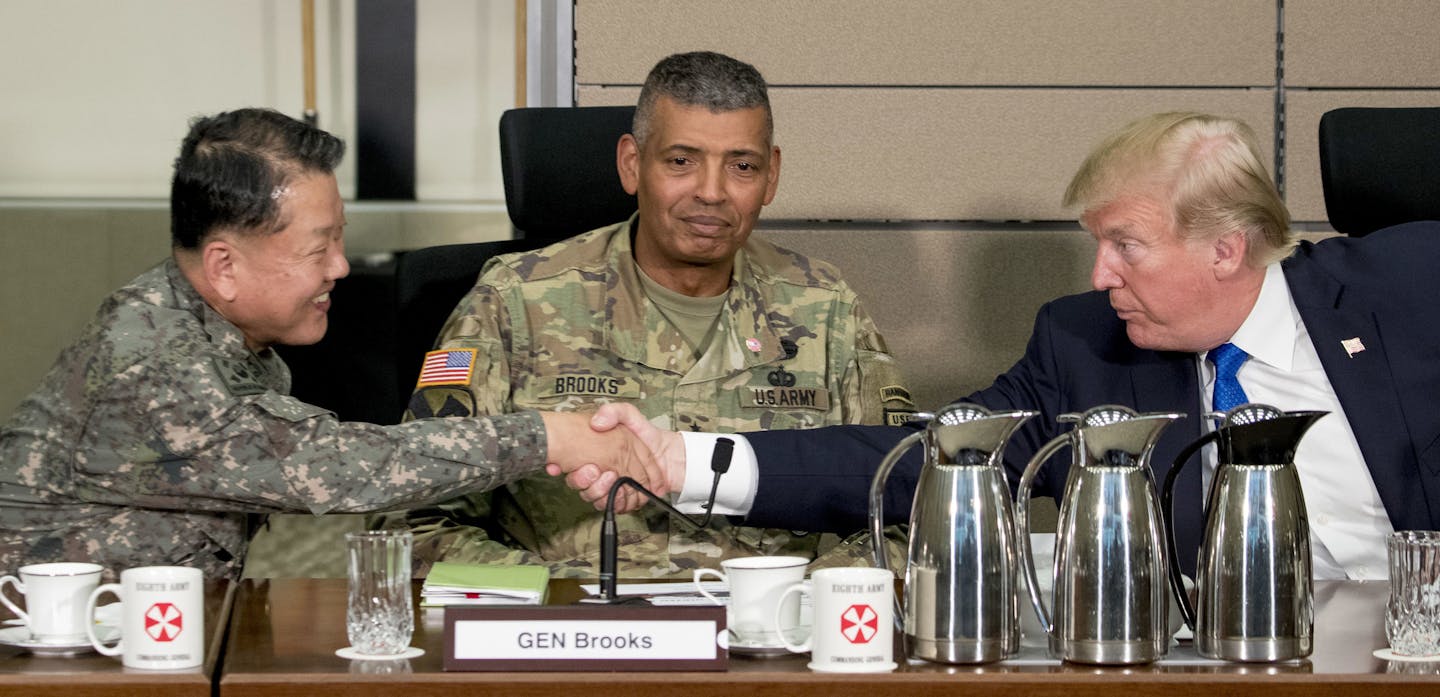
705,79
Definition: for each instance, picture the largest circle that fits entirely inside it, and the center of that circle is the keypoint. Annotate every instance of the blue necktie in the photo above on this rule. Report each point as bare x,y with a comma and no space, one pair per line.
1228,392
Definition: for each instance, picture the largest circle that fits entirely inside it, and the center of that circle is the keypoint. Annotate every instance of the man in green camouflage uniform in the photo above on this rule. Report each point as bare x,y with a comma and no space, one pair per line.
167,422
678,311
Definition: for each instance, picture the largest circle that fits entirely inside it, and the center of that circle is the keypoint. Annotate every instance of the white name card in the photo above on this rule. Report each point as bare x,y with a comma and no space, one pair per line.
584,638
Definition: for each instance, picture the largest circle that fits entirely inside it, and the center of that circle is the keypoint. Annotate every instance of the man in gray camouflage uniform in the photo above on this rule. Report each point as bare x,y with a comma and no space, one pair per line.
167,422
677,310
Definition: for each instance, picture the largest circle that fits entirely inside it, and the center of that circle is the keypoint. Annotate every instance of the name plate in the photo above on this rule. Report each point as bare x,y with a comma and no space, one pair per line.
584,638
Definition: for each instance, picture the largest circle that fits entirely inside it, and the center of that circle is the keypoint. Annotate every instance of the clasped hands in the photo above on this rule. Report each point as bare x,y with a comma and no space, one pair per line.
593,451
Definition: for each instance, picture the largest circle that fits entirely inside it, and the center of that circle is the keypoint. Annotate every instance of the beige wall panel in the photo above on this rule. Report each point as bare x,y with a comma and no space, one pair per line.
955,305
54,269
1304,193
1379,43
953,154
939,42
428,229
139,239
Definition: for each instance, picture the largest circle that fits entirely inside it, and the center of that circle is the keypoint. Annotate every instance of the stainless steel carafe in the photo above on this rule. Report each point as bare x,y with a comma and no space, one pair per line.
1253,579
960,603
1111,596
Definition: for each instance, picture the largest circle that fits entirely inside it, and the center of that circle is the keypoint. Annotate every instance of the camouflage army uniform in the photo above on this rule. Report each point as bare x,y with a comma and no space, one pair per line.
158,431
569,327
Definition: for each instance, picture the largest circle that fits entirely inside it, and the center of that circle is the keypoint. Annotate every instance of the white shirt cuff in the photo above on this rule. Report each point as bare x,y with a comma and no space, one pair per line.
736,492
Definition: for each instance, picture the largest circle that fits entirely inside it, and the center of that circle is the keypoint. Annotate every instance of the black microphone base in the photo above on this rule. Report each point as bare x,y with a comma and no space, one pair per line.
617,600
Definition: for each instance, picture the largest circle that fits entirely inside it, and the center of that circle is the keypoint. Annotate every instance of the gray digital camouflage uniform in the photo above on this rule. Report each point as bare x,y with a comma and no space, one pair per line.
158,432
568,327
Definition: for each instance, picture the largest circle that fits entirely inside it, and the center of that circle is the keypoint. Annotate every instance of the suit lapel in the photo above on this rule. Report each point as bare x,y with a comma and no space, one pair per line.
1362,379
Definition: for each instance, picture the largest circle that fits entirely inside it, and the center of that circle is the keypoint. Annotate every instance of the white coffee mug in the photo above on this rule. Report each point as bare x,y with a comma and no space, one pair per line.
755,587
853,631
55,596
162,617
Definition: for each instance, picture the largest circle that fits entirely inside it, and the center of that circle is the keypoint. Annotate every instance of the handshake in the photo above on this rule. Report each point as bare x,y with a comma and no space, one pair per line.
595,450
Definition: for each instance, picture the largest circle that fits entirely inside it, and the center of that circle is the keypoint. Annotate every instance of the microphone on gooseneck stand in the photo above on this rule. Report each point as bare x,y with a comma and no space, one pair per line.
609,534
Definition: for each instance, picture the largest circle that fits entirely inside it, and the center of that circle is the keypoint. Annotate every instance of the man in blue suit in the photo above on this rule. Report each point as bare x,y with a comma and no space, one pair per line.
1194,259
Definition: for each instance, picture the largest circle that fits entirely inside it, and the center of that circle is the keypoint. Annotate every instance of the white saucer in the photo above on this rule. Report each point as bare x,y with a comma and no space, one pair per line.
827,668
20,636
1388,655
747,648
744,647
353,654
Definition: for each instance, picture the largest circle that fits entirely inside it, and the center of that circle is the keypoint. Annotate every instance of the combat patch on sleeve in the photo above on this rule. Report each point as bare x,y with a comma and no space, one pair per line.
239,377
441,401
447,367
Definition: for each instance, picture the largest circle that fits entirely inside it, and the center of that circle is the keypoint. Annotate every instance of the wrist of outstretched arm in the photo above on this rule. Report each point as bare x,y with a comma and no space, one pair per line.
736,491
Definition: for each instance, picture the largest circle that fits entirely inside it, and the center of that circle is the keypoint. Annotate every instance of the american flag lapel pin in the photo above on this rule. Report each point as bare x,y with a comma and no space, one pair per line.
1352,346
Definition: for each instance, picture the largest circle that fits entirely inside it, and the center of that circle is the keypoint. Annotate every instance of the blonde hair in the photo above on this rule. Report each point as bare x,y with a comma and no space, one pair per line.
1212,170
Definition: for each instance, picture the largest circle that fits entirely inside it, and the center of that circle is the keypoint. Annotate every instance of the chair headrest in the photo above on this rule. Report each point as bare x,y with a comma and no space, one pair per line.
558,165
1380,167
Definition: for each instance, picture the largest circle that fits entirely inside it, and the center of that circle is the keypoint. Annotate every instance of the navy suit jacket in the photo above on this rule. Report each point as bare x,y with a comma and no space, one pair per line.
1381,289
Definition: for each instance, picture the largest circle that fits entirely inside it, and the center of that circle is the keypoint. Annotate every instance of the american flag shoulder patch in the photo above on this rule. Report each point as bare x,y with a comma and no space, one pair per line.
448,367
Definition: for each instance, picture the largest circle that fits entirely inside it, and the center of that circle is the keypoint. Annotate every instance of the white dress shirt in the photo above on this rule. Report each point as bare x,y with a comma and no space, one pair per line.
736,492
1348,524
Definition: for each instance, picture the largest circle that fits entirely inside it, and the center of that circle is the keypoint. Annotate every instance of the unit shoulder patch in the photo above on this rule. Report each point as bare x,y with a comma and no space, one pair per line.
891,393
239,376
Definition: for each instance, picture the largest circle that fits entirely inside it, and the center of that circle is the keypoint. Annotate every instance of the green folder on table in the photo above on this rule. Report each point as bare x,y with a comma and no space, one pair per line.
452,583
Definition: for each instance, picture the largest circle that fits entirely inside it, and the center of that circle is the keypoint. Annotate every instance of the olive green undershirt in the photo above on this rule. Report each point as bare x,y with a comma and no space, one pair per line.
695,318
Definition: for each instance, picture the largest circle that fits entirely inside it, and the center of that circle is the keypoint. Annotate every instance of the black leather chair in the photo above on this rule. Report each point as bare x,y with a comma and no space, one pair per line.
429,282
558,165
1380,167
352,371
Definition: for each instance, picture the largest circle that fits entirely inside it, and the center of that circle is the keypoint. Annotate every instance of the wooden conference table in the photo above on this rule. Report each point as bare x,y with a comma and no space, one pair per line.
93,675
284,633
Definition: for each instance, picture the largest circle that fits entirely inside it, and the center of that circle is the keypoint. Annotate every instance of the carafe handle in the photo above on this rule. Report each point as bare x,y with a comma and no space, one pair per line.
877,509
1167,502
1022,517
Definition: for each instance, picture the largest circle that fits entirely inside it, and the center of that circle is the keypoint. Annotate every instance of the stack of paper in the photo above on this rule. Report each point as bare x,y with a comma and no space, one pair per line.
451,583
